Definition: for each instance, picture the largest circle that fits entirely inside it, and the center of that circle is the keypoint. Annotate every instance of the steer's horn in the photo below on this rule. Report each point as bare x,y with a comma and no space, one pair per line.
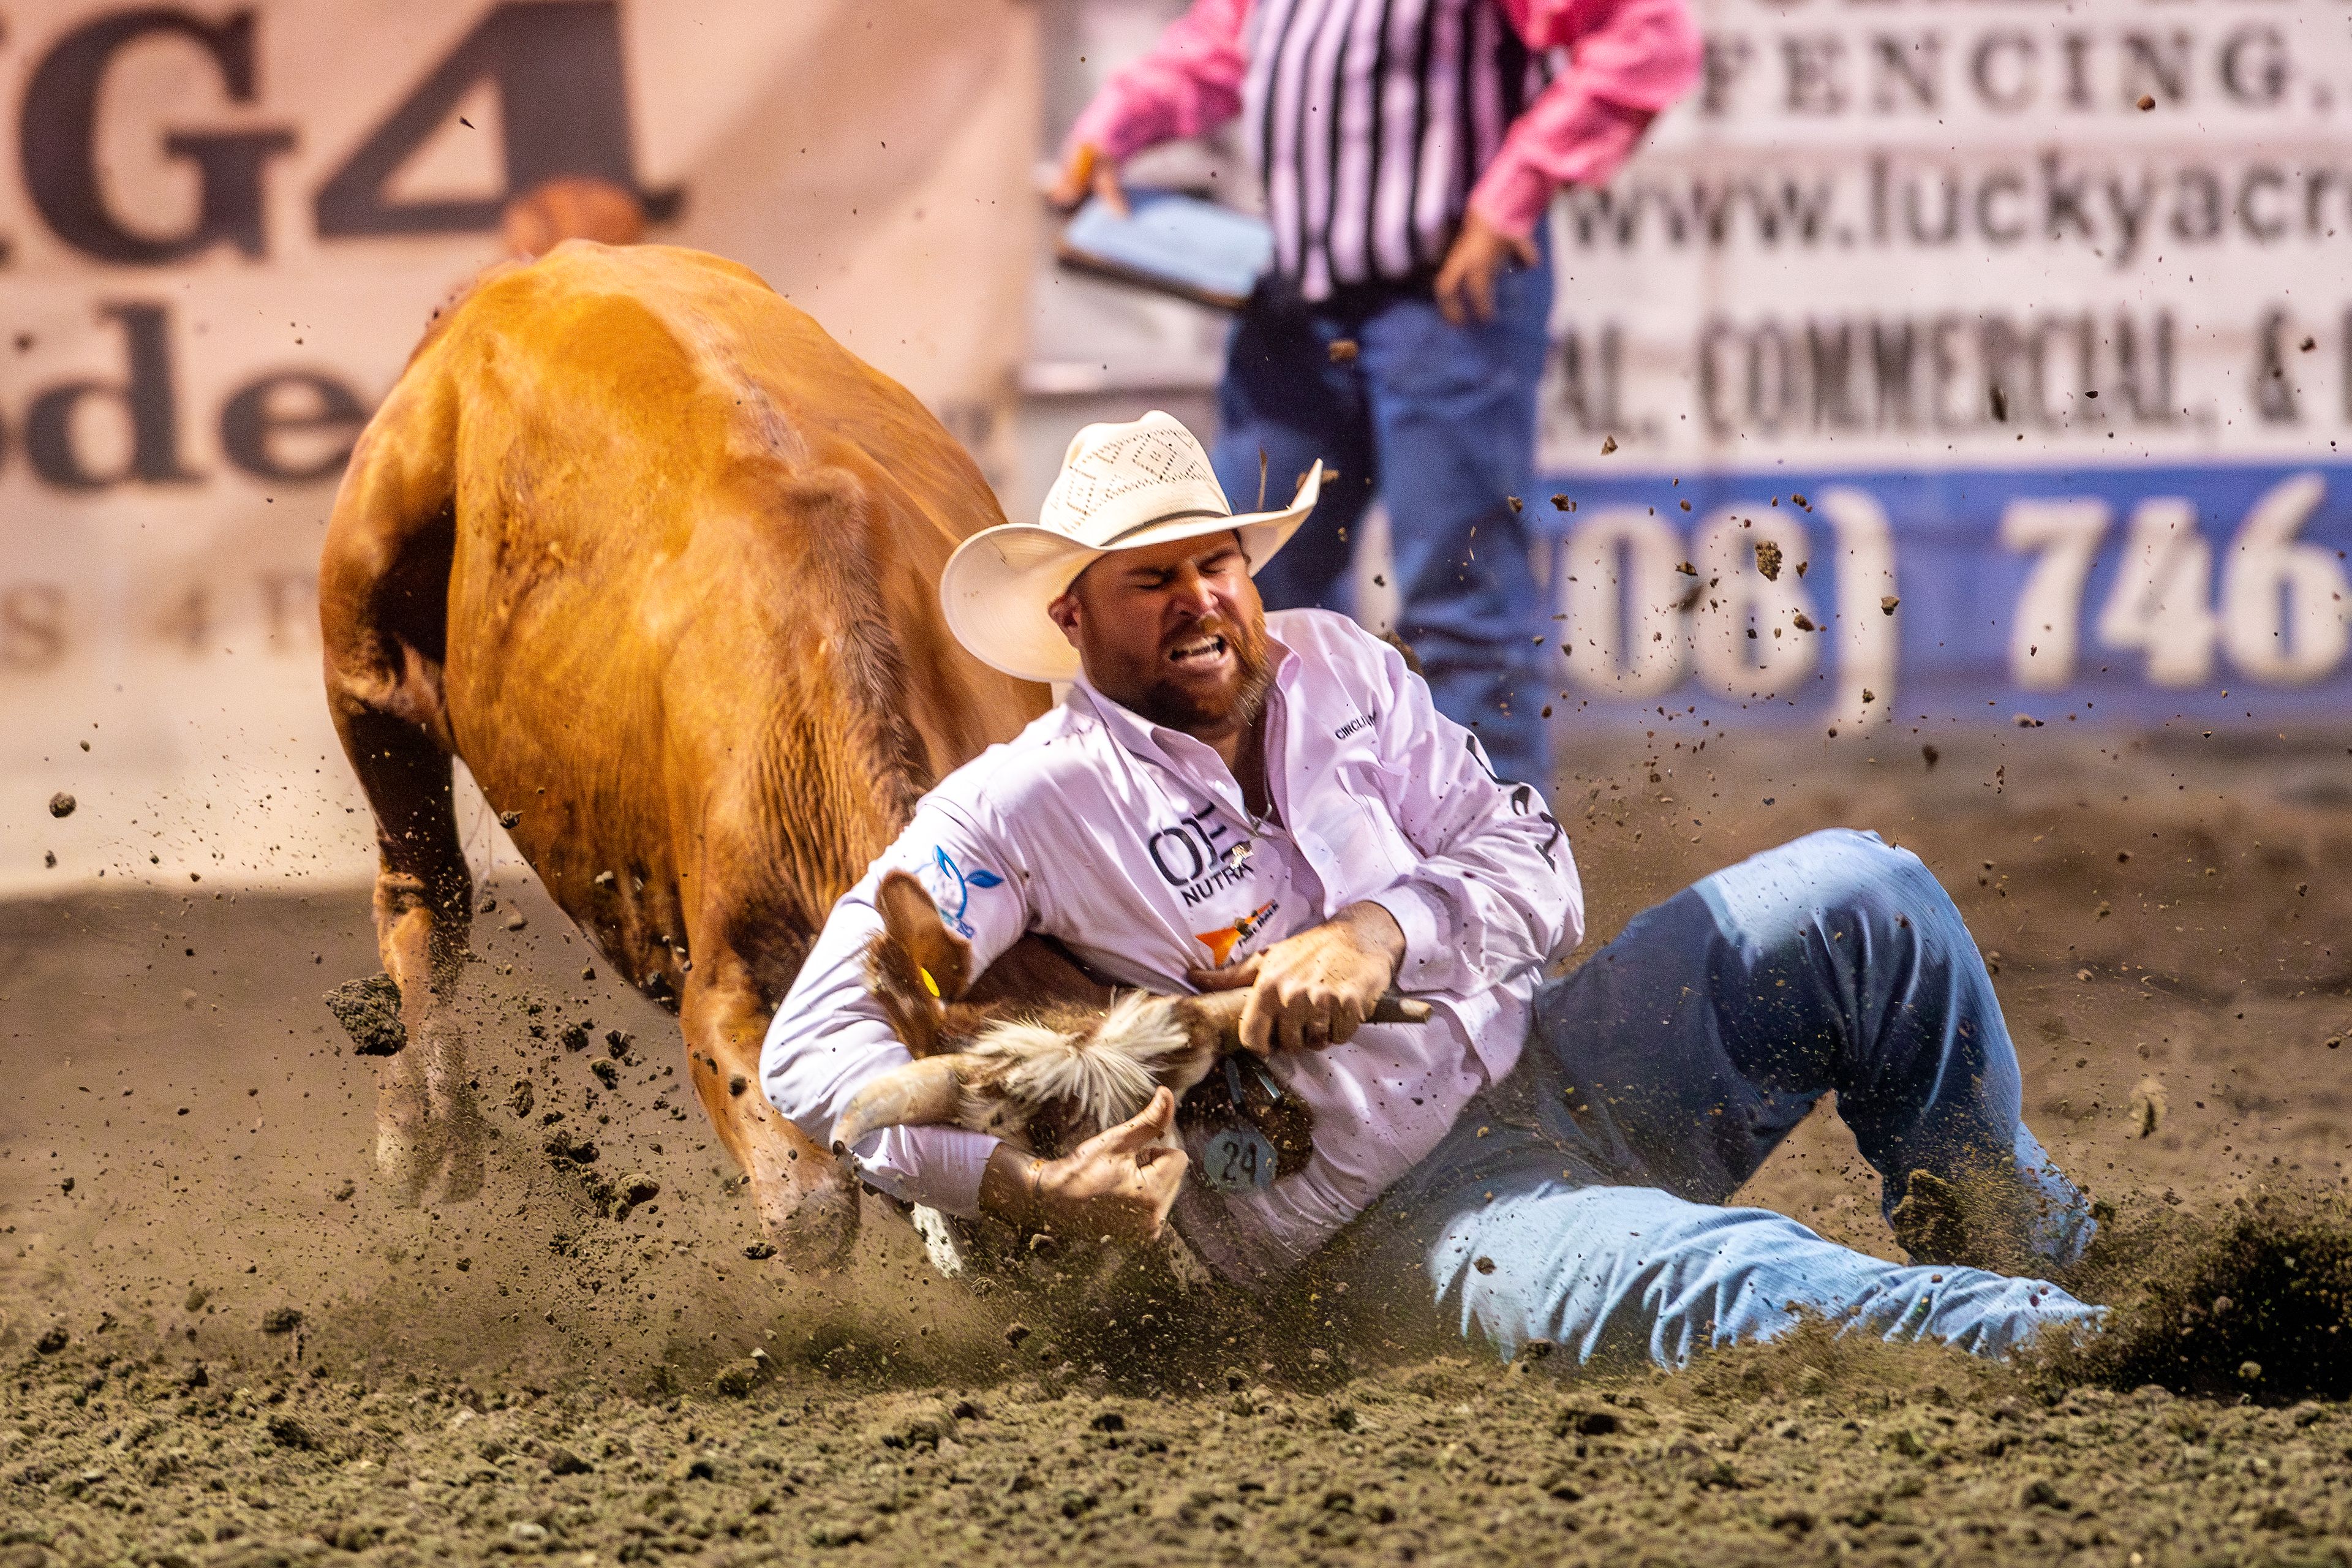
921,1093
1221,1011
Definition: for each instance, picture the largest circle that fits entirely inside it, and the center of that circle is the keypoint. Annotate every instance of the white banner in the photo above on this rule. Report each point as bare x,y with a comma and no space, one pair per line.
2042,306
1905,233
224,227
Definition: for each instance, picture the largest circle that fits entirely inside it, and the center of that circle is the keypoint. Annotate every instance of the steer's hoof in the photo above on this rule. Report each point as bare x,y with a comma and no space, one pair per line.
405,1160
407,1142
813,1228
461,1176
438,1160
464,1136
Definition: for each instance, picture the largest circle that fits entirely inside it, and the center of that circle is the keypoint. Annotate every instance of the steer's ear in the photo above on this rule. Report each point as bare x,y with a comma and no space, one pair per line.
913,923
917,966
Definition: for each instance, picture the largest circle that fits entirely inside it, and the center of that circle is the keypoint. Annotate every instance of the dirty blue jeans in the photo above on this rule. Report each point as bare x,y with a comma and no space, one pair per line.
1440,420
1577,1201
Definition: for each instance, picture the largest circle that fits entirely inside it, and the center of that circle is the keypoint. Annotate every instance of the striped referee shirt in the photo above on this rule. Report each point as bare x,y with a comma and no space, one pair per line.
1378,123
1369,121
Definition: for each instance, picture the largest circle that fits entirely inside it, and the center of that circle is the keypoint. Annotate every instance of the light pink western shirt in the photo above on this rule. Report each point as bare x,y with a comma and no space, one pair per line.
1131,844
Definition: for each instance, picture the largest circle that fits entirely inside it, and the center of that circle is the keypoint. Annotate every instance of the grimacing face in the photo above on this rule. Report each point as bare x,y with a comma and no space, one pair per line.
1175,632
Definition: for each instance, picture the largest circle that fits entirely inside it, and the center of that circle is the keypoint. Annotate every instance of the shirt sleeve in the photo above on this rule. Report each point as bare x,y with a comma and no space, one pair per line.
1629,59
1189,84
1496,893
830,1035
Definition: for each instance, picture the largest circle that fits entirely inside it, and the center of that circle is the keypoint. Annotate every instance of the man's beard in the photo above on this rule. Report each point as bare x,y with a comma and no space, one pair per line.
1170,705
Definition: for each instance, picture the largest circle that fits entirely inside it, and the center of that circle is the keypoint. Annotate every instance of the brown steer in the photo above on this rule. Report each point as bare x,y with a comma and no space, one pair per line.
659,560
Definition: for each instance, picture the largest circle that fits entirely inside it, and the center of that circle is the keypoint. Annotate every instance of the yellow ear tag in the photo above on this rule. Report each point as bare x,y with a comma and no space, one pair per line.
929,985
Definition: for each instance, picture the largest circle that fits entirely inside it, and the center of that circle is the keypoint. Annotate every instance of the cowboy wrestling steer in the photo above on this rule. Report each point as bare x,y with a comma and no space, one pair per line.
1230,797
659,560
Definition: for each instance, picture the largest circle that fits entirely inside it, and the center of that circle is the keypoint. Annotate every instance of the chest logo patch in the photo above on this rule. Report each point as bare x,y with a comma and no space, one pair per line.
1194,859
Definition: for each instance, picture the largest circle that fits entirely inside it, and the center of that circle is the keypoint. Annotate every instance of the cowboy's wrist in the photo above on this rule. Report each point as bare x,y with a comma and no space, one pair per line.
1378,933
1063,1195
1013,1188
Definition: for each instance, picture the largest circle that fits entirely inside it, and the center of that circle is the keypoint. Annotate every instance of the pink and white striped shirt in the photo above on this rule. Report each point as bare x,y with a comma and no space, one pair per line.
1376,123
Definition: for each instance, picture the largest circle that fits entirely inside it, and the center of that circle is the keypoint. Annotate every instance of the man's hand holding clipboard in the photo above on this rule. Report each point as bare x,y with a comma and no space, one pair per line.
1162,240
1088,173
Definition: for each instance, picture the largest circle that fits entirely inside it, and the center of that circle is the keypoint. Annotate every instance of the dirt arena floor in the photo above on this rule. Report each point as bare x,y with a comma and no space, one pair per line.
220,1343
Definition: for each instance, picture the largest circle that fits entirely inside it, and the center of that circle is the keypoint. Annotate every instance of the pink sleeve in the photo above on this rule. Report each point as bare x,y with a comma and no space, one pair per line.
1628,59
1189,83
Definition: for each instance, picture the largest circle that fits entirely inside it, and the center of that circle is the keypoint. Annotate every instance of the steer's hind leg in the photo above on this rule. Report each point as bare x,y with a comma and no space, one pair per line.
806,1201
428,1130
383,585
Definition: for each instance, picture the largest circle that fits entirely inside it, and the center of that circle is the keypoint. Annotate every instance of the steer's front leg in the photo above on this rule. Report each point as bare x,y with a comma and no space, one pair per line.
807,1203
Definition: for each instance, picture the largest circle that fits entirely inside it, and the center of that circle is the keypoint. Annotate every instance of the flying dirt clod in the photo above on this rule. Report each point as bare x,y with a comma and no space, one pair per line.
369,1011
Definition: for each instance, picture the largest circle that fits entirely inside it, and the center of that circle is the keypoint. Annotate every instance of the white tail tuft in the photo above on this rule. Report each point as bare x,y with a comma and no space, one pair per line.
1107,1072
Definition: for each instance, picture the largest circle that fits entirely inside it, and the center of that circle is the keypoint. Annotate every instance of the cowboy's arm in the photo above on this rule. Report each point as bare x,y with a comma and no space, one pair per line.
830,1035
1496,890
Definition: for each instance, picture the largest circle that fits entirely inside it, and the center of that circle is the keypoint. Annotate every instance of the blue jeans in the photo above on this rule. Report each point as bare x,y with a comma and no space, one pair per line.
1440,421
1575,1202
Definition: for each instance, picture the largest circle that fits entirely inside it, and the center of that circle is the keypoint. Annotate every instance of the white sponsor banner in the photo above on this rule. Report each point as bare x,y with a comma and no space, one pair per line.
2042,305
1910,233
222,229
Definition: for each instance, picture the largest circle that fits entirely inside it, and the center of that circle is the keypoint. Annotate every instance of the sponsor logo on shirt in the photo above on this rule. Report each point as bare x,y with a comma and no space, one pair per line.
1198,857
950,888
1221,944
1360,721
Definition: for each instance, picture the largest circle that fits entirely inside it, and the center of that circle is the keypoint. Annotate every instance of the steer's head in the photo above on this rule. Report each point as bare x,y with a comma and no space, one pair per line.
1045,1083
1044,1076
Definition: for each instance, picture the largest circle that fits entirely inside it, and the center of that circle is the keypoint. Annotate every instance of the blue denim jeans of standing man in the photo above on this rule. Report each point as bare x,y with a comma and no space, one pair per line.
1440,422
1575,1201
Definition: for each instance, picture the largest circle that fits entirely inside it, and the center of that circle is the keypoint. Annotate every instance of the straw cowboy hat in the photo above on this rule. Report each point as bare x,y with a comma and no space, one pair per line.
1121,487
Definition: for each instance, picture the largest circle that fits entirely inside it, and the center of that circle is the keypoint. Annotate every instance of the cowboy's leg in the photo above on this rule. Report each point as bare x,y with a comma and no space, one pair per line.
1453,417
1510,1233
1284,396
1615,1274
1712,1024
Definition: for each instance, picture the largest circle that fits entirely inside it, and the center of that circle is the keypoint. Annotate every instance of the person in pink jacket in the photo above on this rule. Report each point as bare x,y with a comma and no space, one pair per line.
1408,150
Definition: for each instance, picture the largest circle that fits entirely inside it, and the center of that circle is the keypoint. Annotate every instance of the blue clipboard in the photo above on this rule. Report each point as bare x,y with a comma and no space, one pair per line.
1174,244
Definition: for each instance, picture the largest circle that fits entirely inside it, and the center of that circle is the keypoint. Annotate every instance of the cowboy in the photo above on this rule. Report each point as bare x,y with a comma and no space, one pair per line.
1229,798
1407,151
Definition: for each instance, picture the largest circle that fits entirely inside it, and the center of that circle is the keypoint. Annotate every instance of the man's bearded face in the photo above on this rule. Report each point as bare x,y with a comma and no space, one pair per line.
1173,632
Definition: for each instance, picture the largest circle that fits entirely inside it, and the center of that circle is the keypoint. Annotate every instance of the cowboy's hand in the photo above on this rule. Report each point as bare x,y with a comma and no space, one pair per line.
1466,283
1118,1184
1317,988
1088,173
